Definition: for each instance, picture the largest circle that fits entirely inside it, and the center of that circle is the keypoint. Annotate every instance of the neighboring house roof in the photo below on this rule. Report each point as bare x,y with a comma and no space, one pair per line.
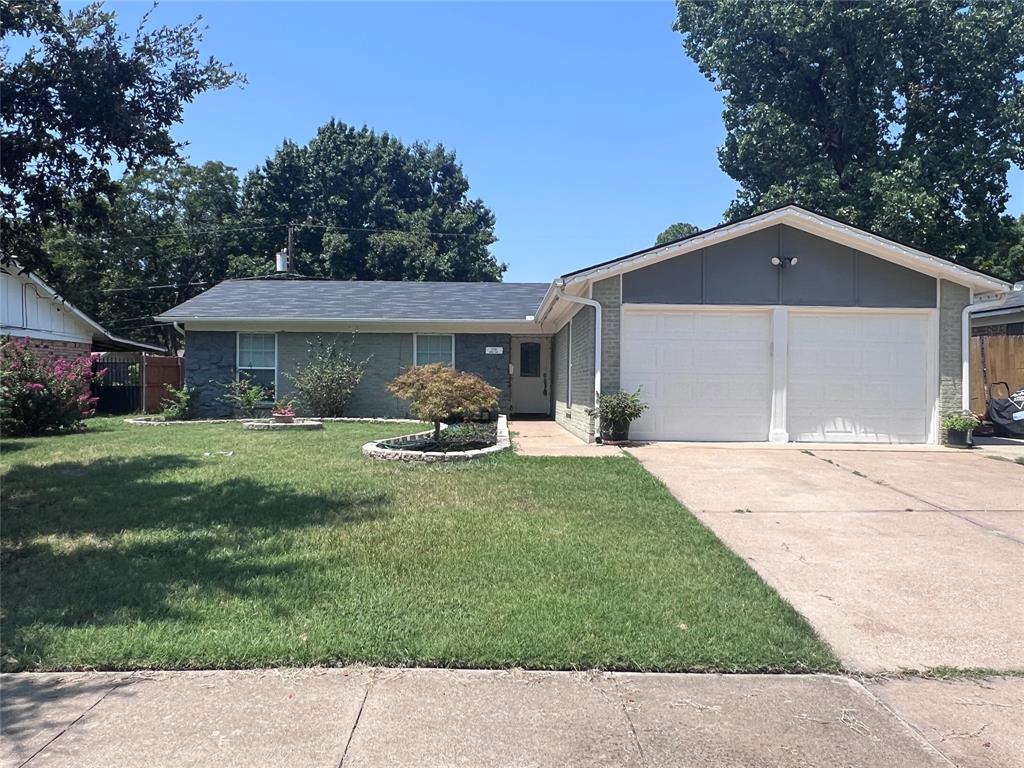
362,300
1011,303
808,221
102,339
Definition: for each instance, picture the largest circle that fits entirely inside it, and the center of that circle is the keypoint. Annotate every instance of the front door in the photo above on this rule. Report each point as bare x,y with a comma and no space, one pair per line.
531,375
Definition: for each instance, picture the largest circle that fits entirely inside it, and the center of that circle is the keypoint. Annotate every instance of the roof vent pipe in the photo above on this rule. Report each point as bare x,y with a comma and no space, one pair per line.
282,261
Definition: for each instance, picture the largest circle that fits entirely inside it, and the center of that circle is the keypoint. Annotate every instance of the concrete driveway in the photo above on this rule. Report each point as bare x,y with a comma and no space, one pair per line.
900,559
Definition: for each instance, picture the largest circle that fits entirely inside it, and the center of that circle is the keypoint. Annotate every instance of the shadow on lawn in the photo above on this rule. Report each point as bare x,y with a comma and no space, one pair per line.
139,549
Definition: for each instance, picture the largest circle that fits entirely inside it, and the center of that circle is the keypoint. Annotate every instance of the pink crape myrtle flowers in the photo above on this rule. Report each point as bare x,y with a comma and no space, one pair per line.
39,394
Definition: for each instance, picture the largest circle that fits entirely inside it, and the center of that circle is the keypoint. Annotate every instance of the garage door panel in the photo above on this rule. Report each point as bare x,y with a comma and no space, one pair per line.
710,378
858,377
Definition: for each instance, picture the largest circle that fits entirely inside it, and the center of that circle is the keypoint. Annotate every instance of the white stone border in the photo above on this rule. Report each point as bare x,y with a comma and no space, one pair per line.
263,425
376,451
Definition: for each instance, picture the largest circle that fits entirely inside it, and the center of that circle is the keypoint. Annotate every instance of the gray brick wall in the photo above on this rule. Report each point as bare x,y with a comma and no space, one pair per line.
210,358
210,362
387,355
608,294
471,356
952,300
575,418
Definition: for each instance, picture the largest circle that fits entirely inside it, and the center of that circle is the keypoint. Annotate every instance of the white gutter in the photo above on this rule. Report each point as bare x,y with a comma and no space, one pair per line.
597,335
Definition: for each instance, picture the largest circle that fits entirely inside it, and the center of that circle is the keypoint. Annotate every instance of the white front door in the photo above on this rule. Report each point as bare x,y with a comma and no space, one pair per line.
859,377
706,373
531,375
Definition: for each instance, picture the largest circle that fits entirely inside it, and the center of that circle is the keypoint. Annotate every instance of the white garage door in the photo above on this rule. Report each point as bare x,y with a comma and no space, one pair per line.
859,377
706,374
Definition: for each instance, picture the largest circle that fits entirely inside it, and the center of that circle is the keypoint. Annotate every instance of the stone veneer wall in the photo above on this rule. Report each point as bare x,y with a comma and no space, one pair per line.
210,358
952,300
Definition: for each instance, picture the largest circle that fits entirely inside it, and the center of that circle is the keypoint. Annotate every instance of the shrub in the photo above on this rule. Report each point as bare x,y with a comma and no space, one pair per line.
246,397
618,407
39,394
436,392
325,384
960,421
177,405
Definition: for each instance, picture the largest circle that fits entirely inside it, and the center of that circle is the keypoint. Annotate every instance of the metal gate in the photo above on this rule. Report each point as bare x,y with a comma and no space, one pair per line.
119,390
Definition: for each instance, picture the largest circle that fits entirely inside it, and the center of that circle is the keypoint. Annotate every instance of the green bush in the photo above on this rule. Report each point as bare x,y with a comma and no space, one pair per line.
177,405
325,384
618,407
246,397
40,395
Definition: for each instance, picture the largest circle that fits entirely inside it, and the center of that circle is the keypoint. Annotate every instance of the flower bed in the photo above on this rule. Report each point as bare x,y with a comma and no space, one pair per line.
458,443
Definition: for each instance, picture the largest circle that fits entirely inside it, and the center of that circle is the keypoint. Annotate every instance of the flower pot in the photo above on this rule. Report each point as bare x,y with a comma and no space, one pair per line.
614,432
284,418
959,438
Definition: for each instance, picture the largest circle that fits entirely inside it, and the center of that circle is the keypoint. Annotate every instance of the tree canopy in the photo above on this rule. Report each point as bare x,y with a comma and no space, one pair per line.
82,98
901,116
676,231
372,208
171,232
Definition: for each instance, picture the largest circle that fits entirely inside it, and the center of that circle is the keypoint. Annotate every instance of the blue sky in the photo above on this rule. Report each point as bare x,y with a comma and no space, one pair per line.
583,126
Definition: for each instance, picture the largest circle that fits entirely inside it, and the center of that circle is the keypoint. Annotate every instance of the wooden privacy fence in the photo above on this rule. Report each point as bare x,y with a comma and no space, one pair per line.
135,382
995,358
157,374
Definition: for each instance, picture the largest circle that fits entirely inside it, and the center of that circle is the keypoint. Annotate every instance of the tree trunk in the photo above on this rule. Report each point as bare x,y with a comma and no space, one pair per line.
437,430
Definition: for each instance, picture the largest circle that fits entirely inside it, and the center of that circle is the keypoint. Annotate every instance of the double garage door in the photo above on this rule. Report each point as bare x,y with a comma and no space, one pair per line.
849,376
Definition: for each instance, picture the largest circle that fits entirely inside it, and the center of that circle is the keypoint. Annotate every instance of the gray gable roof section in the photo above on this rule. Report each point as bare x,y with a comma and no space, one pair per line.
360,300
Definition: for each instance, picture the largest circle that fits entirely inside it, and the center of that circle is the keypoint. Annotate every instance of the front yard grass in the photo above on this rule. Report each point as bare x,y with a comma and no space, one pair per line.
210,546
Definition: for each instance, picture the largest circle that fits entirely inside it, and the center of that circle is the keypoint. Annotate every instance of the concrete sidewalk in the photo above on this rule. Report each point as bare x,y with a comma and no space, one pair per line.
392,717
540,437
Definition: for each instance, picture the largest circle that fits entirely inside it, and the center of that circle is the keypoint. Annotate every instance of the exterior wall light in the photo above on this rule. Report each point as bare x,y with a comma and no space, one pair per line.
787,261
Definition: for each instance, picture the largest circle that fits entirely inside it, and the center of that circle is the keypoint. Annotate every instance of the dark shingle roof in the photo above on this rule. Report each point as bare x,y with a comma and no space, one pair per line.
362,300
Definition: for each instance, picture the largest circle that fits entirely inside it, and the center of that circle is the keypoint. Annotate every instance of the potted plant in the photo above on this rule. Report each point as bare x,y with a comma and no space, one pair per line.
615,412
284,413
959,426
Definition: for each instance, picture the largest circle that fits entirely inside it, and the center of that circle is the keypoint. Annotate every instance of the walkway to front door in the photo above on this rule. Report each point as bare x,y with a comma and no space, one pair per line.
546,438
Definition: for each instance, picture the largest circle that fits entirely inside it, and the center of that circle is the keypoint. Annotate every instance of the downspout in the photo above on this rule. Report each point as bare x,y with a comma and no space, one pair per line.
597,337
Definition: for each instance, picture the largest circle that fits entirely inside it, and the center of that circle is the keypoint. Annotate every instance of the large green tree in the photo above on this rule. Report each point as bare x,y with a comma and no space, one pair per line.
676,231
171,232
81,98
370,207
901,116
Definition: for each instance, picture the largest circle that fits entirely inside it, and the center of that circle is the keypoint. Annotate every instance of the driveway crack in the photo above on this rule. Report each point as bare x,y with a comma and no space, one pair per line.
629,721
114,686
915,497
359,715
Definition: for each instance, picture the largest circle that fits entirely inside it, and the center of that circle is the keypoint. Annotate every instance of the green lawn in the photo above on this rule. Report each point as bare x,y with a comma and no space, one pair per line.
145,547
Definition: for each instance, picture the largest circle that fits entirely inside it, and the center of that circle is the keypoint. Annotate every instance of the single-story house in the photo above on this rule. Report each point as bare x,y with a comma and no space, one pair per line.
997,347
785,326
32,310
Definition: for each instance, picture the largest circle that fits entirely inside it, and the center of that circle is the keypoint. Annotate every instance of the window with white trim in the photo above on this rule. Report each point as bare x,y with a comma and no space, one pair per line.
257,360
435,348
